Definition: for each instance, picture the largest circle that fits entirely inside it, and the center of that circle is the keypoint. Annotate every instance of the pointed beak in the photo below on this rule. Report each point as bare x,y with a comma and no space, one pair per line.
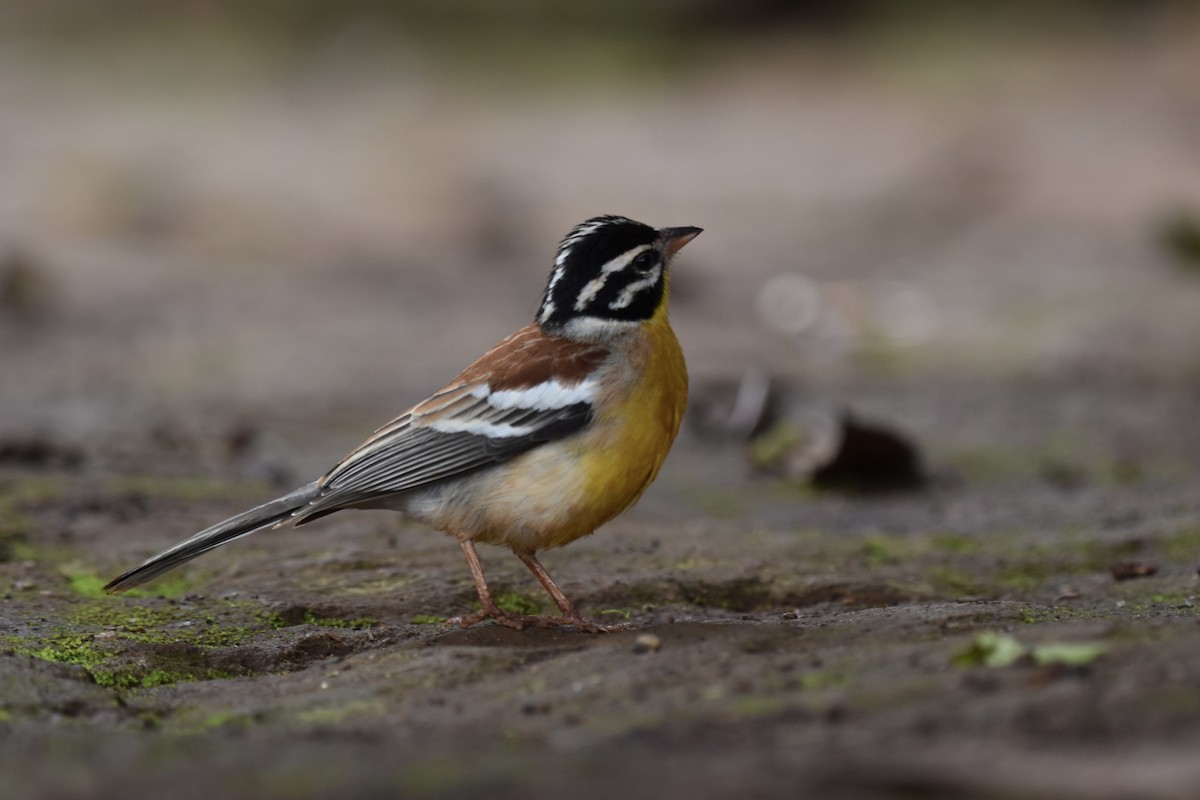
675,238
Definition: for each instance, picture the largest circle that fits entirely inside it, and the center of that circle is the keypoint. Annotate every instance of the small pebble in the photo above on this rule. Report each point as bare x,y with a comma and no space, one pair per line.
647,643
789,615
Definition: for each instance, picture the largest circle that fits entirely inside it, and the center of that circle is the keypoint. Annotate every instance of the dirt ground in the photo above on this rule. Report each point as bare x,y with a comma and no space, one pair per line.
218,277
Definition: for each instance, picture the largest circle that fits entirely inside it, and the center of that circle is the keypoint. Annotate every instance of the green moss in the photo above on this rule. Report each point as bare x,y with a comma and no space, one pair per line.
824,679
990,649
956,543
1037,615
769,449
134,678
1156,596
516,603
13,544
67,648
357,624
29,489
331,715
88,585
955,582
1020,579
170,588
879,551
1068,654
427,619
352,586
194,721
126,644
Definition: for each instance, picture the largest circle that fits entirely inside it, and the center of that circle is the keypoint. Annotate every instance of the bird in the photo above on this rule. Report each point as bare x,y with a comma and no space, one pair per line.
551,433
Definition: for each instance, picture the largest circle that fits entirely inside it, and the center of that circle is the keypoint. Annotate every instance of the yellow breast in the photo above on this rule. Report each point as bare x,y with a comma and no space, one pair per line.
637,420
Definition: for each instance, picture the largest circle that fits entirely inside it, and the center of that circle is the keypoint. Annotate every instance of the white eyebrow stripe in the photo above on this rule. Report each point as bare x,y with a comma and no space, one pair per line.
593,287
589,292
622,261
545,396
627,294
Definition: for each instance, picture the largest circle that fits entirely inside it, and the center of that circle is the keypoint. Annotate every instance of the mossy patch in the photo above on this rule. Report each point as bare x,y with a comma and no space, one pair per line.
955,582
125,644
195,720
517,603
1039,615
1001,564
322,617
332,715
356,624
91,585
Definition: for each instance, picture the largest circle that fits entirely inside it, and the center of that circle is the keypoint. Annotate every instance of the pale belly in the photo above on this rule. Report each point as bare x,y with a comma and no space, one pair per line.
564,490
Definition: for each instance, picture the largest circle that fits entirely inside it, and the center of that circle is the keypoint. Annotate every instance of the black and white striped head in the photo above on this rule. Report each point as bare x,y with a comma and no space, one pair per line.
610,273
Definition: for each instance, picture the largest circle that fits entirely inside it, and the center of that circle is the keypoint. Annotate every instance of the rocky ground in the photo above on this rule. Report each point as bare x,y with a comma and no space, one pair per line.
217,279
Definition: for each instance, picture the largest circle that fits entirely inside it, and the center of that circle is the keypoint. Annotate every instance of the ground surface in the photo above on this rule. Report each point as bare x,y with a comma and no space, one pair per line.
203,274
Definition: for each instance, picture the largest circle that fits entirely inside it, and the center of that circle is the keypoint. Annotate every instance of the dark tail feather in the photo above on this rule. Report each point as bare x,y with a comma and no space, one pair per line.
243,524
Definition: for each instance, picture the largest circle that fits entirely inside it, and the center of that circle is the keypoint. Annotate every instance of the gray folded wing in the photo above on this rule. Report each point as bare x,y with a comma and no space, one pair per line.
419,449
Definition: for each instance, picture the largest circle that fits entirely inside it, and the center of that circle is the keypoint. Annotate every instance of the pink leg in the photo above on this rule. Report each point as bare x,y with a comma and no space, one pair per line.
489,608
569,615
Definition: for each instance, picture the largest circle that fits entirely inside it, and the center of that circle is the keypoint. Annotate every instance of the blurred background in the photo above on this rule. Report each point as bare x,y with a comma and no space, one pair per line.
253,218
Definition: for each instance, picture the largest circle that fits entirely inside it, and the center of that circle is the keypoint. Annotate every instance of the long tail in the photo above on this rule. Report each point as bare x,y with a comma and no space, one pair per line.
244,524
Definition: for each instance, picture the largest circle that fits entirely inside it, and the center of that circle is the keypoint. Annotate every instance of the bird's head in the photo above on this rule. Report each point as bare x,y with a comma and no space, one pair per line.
610,274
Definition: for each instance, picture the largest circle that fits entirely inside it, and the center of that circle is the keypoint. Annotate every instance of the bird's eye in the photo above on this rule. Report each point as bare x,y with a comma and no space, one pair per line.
645,261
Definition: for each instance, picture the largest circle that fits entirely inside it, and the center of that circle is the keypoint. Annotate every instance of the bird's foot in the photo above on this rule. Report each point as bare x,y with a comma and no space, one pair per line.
514,621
